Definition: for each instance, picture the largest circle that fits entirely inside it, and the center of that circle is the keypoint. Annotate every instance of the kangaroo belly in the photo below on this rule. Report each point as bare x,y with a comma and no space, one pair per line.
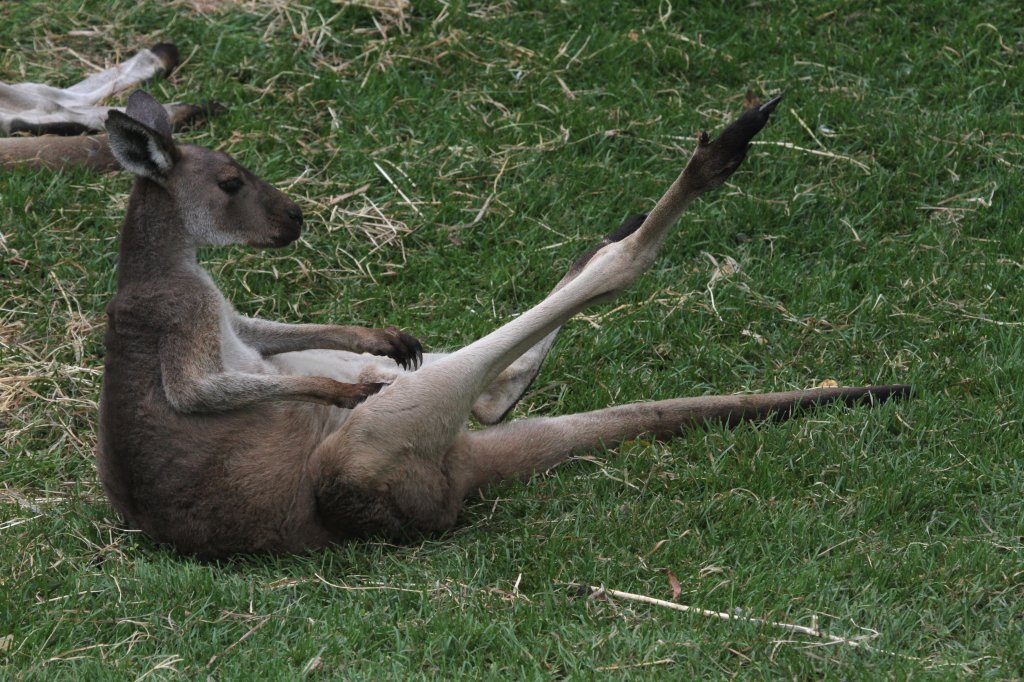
216,484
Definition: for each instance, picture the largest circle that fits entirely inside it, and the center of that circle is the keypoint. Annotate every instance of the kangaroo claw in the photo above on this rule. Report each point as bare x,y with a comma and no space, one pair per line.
769,106
715,160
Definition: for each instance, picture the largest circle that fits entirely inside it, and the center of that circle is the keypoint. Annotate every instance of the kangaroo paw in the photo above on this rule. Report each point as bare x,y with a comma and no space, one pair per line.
183,115
350,395
168,54
715,160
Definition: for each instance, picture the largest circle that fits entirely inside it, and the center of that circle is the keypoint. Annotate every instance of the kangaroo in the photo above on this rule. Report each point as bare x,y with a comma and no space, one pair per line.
44,110
222,434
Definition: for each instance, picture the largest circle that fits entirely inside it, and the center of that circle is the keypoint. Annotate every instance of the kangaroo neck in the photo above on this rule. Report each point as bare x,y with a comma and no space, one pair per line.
154,240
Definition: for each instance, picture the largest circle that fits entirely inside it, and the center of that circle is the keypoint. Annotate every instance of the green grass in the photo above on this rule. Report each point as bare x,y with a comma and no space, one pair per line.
877,230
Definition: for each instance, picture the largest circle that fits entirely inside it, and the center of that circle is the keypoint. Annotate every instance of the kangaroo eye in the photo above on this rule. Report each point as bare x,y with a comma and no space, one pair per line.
231,185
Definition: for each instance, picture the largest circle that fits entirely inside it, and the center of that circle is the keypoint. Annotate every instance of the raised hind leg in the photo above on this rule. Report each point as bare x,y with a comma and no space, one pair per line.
397,461
504,392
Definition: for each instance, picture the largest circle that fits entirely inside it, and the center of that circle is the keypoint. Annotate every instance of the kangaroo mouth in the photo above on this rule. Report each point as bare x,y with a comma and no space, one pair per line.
276,241
286,239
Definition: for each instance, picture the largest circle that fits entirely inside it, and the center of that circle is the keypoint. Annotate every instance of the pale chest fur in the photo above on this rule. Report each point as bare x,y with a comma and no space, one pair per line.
235,354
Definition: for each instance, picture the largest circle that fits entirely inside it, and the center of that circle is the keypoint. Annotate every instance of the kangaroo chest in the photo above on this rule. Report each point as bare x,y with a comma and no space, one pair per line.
235,354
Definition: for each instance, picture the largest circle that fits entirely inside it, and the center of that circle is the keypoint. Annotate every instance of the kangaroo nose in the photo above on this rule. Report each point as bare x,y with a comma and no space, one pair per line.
295,213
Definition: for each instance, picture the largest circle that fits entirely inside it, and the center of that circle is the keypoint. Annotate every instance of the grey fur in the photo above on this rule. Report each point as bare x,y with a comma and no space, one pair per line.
57,117
223,434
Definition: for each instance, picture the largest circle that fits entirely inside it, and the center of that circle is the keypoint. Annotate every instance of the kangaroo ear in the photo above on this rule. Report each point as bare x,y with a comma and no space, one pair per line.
144,108
139,148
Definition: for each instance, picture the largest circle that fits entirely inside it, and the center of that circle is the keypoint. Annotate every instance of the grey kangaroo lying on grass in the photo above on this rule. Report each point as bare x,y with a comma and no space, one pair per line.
223,434
61,116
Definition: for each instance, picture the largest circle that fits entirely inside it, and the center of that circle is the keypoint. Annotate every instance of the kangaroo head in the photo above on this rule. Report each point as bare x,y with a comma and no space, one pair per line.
217,200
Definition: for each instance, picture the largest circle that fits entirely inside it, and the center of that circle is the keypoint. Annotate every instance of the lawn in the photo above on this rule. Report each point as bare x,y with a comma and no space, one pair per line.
452,159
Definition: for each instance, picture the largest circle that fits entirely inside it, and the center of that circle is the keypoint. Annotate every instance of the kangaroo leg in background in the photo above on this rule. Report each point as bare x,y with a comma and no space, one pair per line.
86,151
60,116
43,109
158,61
